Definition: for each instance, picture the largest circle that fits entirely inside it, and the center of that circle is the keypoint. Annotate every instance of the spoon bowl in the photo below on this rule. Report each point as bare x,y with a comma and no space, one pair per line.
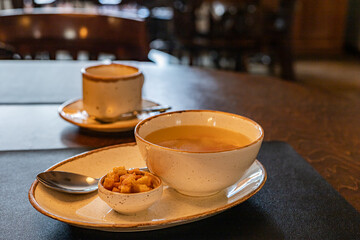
68,182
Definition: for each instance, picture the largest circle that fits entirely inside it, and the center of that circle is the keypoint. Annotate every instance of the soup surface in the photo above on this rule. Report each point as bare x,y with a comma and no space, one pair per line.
198,138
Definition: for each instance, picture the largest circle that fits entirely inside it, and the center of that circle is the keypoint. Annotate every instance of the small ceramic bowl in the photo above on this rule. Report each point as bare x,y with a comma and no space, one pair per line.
130,203
199,173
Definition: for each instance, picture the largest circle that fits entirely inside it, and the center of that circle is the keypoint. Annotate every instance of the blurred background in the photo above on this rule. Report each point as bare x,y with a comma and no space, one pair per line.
312,42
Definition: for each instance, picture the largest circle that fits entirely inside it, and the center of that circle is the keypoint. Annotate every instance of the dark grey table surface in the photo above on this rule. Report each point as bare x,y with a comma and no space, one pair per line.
295,203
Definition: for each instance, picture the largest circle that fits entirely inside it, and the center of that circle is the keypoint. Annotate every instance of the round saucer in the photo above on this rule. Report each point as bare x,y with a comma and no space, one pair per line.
73,112
89,211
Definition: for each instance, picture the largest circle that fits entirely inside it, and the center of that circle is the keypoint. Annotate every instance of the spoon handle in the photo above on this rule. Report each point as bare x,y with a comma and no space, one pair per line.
160,108
133,114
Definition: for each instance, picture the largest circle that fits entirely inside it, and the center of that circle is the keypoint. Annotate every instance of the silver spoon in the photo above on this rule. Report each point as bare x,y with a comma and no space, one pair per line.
70,182
134,113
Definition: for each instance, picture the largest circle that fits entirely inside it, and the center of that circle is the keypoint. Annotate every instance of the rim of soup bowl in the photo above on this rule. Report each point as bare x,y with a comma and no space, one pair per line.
141,123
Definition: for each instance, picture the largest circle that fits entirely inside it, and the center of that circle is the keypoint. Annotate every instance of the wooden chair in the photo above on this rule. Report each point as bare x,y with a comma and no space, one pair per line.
48,32
242,28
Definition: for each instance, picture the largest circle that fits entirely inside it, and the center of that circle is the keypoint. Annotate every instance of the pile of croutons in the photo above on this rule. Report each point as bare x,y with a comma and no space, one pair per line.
129,181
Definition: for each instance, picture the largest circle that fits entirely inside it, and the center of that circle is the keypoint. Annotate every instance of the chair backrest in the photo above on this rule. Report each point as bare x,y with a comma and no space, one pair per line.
39,32
216,19
229,19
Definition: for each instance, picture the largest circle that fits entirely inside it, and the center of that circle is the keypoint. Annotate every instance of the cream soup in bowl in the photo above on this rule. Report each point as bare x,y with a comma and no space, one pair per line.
199,152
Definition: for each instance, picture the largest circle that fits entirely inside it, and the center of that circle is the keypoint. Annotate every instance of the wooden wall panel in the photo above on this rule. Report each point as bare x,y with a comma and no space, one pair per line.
319,26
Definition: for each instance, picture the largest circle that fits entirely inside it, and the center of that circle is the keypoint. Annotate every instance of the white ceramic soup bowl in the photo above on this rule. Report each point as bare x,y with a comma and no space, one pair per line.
199,173
130,203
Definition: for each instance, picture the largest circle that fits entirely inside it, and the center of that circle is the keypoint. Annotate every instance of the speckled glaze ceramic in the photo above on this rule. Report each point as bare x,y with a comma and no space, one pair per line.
89,211
73,112
111,89
199,173
130,203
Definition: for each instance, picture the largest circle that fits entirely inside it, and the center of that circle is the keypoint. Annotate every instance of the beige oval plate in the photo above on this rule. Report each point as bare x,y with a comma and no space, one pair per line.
73,112
89,211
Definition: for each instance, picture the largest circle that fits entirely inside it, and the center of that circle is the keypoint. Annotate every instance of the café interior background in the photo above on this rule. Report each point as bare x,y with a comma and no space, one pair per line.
325,37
